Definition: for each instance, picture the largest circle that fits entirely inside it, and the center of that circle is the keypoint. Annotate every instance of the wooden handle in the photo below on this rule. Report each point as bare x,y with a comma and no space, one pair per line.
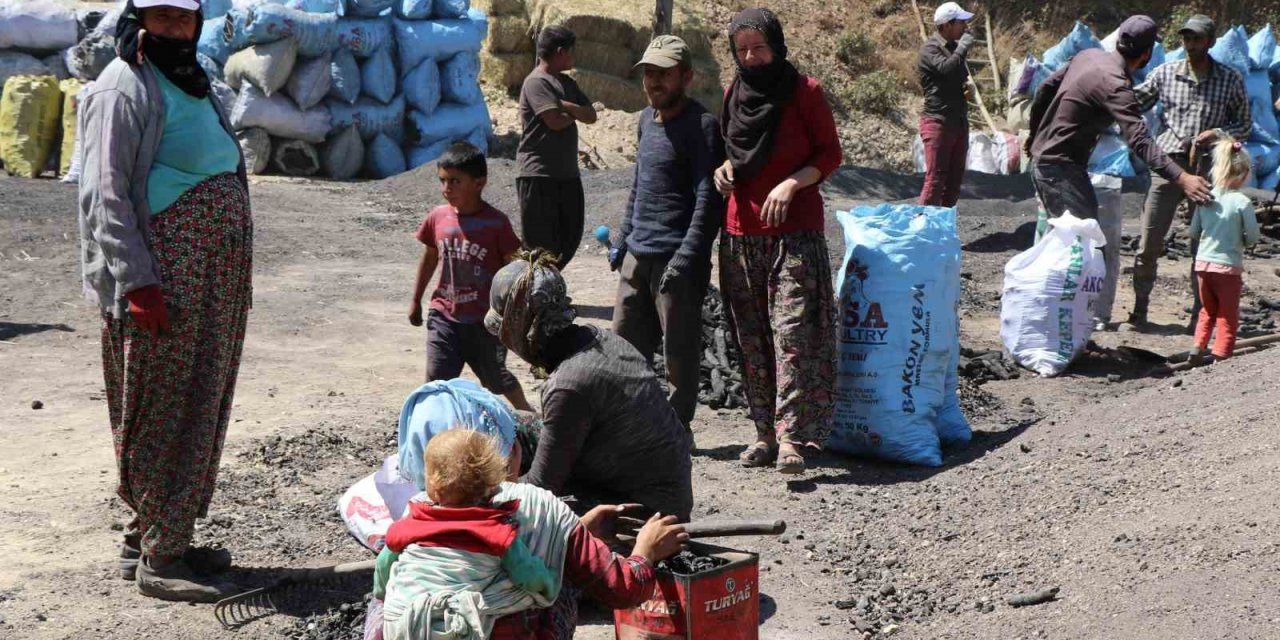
717,529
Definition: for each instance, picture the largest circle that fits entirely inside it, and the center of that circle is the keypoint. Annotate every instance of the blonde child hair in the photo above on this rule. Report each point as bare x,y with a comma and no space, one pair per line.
464,468
1231,164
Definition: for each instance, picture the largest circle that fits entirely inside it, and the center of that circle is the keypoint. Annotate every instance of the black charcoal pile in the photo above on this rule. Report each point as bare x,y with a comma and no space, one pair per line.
1178,245
720,375
1258,317
688,563
344,622
985,366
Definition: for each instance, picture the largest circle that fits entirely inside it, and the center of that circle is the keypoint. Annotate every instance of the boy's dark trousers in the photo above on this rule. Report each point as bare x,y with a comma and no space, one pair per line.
643,315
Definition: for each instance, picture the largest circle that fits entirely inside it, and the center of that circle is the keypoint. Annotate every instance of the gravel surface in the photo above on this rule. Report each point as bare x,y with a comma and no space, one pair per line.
1148,502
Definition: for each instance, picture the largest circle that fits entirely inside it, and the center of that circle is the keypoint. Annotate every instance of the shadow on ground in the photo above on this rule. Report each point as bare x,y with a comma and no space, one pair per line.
834,469
11,330
1002,241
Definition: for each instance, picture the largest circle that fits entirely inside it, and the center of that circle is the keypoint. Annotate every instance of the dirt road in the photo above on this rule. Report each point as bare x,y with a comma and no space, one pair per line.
1150,503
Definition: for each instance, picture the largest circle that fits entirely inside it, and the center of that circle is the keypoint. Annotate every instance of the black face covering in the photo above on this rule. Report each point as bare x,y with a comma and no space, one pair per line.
755,100
176,59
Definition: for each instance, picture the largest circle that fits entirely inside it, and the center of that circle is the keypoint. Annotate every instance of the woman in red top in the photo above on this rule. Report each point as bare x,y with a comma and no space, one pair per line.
781,142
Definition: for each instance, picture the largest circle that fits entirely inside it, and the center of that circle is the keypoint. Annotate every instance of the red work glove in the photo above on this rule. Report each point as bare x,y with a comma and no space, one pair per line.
146,305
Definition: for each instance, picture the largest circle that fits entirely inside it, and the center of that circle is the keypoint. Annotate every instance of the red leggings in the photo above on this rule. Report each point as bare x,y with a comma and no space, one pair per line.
1220,295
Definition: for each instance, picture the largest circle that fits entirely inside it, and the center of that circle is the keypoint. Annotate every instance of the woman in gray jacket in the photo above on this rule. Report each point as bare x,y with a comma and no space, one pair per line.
167,246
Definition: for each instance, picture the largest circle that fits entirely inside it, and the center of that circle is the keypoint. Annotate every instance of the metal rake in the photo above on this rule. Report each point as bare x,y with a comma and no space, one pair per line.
259,603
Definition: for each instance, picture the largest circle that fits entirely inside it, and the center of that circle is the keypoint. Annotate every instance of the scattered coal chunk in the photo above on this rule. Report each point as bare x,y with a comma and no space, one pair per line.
689,563
344,622
720,368
984,366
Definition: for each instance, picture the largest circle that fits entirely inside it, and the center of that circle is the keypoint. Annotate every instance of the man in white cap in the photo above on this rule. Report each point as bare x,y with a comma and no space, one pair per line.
663,253
944,123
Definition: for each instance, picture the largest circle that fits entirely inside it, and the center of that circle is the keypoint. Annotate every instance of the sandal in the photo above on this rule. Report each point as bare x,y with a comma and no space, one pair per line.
790,463
760,454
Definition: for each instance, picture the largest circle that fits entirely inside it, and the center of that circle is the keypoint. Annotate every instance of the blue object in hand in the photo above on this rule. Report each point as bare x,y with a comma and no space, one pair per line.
602,235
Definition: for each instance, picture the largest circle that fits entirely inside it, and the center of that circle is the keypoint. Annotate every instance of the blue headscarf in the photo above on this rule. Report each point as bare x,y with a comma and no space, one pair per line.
437,407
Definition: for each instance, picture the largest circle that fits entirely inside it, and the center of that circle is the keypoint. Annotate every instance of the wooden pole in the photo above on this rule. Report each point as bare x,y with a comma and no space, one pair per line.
662,17
924,33
991,51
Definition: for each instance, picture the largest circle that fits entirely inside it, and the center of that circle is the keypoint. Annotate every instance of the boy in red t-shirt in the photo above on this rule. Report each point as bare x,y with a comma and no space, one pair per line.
471,241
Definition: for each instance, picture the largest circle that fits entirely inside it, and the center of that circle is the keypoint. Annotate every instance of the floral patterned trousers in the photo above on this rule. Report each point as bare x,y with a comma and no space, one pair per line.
169,398
782,309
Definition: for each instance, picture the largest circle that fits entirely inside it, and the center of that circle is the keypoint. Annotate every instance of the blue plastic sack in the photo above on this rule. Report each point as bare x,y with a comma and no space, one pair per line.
899,287
414,10
345,85
460,78
1033,75
450,9
1157,59
1080,38
1176,54
1265,157
449,121
480,140
1111,157
1232,50
1258,85
1269,183
363,37
383,158
213,41
369,8
422,87
439,39
211,9
378,75
336,7
210,66
315,33
369,116
426,154
1262,49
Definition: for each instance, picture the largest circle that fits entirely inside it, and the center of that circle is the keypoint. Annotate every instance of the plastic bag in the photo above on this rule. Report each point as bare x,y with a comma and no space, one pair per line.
439,39
72,174
383,158
414,9
13,63
374,502
255,144
296,158
1050,293
899,287
224,95
1232,50
450,9
1026,77
336,7
37,25
1265,156
213,40
315,33
982,156
369,8
460,78
363,37
214,8
370,117
311,81
422,86
1080,39
343,154
1262,49
449,121
267,66
426,154
1258,85
279,116
480,138
70,108
378,76
1111,157
29,124
344,81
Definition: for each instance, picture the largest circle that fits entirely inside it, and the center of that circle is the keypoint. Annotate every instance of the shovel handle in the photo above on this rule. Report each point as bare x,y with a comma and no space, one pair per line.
719,528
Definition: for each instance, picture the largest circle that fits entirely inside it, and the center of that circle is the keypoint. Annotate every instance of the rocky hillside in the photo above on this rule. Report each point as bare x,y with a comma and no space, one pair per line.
864,53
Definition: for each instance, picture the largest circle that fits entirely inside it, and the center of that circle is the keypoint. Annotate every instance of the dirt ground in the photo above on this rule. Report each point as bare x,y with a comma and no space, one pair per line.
1150,503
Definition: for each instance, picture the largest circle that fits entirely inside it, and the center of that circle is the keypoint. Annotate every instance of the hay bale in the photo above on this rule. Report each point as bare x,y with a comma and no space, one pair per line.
608,59
505,70
510,34
607,22
612,91
500,7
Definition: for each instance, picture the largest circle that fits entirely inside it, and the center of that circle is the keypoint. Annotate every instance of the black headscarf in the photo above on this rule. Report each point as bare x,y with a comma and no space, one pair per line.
755,100
176,59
